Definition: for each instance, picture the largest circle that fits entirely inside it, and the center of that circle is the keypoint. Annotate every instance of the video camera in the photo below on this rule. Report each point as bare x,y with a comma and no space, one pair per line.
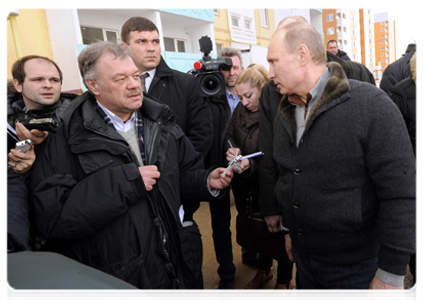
208,70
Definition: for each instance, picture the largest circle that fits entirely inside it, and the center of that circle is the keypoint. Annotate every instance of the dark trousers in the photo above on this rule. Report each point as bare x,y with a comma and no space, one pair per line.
220,211
319,275
284,270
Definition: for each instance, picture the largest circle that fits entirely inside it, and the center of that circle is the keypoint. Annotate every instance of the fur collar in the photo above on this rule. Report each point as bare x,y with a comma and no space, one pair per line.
336,85
415,67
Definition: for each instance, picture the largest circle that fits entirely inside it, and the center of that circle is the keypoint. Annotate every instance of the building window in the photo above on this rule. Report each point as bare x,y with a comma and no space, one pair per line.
216,11
235,22
352,31
331,31
264,18
353,44
352,19
219,47
247,24
382,42
91,35
175,45
329,18
382,29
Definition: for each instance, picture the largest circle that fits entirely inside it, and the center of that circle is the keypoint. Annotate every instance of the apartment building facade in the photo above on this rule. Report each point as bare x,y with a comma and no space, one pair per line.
385,40
251,30
353,30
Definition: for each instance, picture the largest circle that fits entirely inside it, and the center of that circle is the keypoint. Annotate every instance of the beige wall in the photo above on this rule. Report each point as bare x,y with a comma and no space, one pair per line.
33,33
221,29
264,34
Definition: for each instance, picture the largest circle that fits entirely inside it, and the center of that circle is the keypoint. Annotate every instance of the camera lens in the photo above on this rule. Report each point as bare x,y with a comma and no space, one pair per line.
210,84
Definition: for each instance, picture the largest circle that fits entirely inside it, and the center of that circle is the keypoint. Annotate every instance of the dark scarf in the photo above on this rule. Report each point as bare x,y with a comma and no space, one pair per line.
138,123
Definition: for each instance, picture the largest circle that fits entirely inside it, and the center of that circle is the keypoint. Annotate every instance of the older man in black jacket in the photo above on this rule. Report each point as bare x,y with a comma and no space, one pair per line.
180,91
107,187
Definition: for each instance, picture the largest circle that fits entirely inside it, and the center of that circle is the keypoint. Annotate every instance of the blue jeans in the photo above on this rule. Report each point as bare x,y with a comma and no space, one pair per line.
318,275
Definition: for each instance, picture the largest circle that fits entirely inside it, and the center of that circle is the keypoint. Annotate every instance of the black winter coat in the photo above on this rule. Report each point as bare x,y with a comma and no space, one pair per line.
351,177
16,208
15,108
404,96
221,116
243,132
89,201
395,72
352,69
181,93
343,55
268,170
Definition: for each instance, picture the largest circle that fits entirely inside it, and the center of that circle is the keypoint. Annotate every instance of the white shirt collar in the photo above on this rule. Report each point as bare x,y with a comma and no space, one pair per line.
117,122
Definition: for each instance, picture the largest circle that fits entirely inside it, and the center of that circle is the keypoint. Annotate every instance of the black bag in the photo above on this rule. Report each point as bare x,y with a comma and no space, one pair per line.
253,234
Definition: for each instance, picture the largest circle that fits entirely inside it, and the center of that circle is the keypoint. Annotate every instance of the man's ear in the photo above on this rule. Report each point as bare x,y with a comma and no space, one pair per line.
92,86
304,54
124,45
17,85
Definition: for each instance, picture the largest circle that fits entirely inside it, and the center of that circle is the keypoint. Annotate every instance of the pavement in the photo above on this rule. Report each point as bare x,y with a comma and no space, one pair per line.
243,272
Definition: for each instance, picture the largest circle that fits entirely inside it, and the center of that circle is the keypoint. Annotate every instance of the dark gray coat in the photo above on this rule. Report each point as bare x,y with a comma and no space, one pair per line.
347,192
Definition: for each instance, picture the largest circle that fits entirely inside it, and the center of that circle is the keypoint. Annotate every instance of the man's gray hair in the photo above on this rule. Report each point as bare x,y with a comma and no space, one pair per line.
89,57
229,52
300,33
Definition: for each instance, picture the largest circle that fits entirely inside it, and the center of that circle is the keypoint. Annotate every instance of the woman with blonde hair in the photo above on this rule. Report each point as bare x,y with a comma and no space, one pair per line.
243,139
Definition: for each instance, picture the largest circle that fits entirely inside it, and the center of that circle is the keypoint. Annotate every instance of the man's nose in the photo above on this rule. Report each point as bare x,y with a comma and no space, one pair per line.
47,84
150,46
134,82
271,74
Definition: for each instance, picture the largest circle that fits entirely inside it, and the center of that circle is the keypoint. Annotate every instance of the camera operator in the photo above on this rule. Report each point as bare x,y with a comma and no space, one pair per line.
222,99
37,83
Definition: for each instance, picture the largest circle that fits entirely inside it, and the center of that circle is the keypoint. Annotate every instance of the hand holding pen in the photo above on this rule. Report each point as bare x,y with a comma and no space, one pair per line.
241,163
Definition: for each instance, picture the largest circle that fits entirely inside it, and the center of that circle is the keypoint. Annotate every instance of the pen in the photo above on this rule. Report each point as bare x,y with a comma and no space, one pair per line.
252,155
230,144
